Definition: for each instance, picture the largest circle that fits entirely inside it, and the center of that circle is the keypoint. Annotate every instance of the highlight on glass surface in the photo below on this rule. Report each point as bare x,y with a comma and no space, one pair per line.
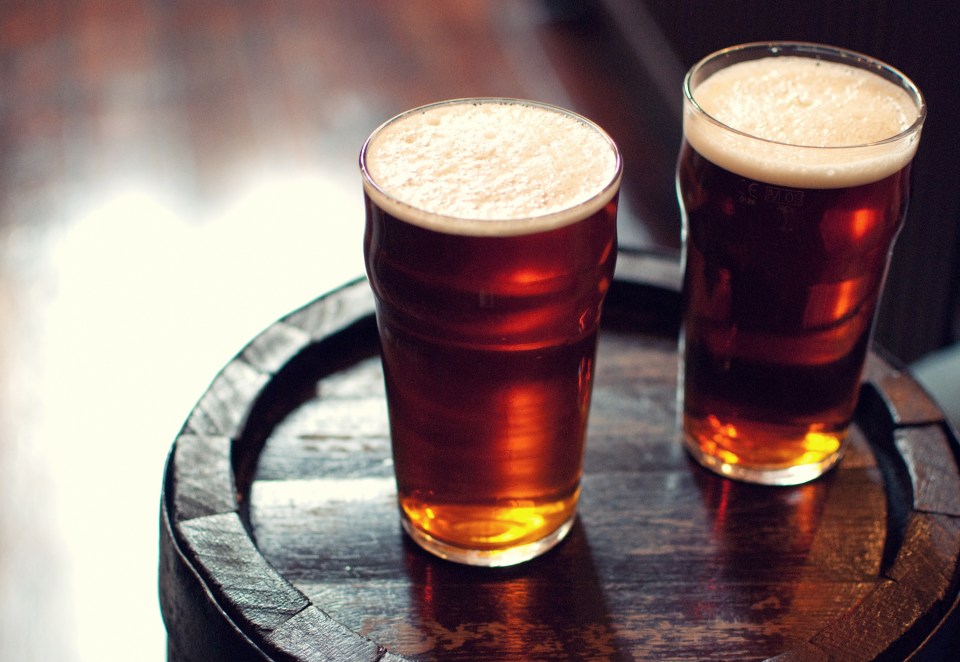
490,244
793,179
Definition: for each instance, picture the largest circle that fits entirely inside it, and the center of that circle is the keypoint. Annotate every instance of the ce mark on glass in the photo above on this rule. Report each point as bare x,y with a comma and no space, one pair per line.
752,192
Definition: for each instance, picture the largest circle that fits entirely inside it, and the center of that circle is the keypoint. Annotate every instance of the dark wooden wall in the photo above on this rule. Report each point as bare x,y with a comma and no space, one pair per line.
922,39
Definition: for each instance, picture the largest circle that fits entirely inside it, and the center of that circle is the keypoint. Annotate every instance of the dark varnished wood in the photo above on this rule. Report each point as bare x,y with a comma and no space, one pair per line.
133,131
280,537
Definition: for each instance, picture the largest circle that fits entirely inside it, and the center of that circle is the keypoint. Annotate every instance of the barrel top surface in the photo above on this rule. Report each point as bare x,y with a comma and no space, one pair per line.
280,537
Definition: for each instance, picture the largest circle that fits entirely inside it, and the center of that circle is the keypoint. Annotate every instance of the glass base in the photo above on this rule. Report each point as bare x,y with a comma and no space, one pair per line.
763,475
488,558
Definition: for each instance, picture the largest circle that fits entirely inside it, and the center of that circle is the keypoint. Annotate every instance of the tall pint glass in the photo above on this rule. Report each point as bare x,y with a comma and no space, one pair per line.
793,180
490,244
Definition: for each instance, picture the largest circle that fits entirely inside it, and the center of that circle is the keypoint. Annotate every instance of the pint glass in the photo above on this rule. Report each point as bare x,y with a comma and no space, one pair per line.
490,244
793,180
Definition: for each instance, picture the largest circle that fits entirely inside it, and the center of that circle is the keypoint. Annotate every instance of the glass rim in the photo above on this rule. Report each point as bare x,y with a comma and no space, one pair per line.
495,227
817,51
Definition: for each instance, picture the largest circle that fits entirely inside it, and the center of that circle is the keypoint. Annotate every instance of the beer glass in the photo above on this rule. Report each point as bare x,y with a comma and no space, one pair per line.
793,181
490,243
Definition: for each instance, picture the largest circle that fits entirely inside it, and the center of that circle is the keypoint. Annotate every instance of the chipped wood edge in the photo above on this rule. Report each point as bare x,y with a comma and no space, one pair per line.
207,525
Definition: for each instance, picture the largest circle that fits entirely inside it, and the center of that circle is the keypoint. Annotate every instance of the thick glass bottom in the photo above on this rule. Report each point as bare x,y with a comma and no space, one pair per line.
762,474
490,558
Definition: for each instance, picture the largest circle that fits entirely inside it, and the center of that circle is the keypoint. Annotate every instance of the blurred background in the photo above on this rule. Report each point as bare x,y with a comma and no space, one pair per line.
176,175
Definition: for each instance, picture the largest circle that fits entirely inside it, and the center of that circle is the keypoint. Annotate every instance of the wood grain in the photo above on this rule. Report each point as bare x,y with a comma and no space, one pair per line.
666,560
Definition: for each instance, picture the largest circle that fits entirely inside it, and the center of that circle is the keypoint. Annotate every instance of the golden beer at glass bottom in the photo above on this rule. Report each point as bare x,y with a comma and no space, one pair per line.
793,179
490,244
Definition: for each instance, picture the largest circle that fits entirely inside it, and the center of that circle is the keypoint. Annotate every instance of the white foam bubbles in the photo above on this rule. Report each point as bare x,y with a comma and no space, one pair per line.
490,166
822,124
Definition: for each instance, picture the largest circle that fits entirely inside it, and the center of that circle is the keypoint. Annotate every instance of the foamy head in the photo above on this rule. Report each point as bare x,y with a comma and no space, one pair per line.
490,167
802,120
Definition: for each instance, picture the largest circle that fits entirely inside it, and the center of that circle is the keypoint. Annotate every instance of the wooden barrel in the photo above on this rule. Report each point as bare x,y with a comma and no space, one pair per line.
280,537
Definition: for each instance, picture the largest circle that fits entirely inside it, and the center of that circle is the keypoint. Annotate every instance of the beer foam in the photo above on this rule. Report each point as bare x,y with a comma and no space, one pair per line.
490,166
823,124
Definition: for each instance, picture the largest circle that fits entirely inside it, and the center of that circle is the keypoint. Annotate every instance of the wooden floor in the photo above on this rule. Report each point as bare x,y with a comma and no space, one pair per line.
176,175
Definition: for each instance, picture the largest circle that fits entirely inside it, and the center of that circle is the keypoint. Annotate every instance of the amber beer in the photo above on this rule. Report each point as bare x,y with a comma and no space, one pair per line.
793,178
490,244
